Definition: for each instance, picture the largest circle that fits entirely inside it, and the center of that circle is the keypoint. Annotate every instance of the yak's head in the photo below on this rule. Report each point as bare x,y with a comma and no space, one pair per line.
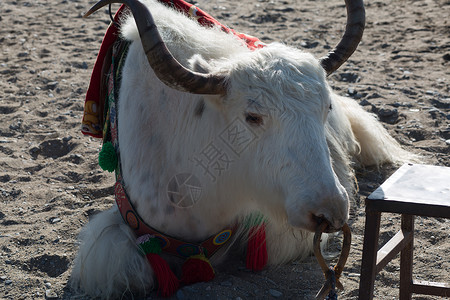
280,96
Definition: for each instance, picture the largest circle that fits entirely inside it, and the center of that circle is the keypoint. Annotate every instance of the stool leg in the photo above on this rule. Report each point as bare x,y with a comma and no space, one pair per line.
406,260
369,255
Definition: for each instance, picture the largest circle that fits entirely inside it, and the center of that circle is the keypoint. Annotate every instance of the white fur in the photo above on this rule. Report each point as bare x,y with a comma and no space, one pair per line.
108,263
300,165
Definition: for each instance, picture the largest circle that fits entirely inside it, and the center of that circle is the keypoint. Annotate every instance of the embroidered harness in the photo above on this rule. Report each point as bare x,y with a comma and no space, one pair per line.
129,214
101,119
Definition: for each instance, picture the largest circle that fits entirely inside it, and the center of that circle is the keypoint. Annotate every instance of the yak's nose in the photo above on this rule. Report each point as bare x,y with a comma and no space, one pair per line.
333,210
327,201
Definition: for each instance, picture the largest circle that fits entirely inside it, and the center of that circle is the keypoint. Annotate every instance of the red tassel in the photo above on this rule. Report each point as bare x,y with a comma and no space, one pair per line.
197,268
256,248
168,283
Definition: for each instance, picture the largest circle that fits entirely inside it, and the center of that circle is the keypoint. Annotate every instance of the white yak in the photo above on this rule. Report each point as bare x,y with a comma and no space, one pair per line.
293,164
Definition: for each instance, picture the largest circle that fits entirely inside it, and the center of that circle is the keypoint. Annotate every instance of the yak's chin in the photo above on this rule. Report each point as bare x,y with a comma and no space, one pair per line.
302,222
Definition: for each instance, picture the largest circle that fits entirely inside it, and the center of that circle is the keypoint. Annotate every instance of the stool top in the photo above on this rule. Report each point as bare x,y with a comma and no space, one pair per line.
424,185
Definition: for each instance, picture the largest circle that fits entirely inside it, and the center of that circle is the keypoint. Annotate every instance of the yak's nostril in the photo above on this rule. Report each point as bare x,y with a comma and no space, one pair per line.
319,219
331,226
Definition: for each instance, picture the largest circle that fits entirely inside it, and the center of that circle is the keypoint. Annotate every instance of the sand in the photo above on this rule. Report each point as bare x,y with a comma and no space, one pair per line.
50,183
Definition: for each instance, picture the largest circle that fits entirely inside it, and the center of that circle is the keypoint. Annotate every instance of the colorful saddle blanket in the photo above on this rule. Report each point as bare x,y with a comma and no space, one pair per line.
93,118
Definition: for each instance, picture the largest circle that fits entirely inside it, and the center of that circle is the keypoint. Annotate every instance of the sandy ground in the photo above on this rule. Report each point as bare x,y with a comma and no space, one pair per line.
50,183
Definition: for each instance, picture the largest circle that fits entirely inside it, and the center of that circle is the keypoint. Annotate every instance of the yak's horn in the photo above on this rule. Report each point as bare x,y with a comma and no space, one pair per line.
352,36
165,66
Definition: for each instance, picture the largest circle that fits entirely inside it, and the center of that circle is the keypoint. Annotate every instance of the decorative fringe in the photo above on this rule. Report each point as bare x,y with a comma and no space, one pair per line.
197,268
107,159
168,283
256,248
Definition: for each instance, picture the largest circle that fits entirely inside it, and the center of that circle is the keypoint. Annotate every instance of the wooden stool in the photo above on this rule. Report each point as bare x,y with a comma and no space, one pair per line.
413,190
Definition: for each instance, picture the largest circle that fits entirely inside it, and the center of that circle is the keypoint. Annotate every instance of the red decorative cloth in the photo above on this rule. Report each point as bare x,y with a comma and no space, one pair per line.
207,21
92,123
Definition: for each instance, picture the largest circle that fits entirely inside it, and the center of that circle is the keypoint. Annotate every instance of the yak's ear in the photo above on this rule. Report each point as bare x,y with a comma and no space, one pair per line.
199,64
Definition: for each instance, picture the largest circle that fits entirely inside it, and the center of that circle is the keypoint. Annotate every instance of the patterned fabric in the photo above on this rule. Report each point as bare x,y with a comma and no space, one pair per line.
94,107
93,118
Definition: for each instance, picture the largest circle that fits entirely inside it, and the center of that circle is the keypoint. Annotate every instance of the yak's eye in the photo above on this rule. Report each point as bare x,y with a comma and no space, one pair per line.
253,119
331,107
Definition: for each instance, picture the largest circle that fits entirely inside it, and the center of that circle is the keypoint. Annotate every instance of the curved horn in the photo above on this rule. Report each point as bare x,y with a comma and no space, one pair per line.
165,66
350,40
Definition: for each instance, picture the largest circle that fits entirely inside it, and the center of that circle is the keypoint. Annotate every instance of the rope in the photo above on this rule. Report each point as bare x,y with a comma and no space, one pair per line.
332,274
332,295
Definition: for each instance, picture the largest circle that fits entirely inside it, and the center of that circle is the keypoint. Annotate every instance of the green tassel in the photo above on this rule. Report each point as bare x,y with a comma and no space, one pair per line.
107,159
150,245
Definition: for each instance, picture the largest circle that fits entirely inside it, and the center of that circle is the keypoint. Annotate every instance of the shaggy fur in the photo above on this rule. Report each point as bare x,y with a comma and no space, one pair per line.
299,165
